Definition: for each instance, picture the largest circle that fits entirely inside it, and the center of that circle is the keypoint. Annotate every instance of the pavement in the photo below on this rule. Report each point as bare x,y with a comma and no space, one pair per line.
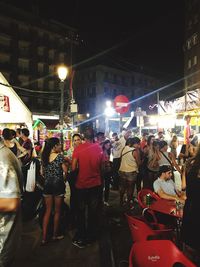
111,250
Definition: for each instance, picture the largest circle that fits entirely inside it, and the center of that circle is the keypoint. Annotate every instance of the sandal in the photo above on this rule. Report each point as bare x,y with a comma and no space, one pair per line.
43,242
58,237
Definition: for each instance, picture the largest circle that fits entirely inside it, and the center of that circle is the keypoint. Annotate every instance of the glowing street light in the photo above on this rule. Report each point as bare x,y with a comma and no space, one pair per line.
108,112
62,74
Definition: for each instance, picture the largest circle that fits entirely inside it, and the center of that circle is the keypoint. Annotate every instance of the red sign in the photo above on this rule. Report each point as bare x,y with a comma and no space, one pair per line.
121,104
4,103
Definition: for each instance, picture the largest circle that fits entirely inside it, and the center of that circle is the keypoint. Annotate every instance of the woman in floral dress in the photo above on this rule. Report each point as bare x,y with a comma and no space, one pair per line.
53,168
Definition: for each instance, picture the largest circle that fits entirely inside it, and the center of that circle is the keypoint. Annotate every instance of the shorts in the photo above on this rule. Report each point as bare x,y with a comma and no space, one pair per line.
54,189
128,176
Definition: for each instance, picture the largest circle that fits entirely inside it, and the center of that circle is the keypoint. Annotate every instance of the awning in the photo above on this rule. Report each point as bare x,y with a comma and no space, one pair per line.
12,108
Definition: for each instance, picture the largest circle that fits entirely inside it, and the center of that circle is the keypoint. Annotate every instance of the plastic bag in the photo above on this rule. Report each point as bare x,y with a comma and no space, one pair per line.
31,177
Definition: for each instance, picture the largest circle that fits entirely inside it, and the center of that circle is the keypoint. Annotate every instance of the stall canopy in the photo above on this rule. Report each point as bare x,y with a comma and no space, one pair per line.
12,108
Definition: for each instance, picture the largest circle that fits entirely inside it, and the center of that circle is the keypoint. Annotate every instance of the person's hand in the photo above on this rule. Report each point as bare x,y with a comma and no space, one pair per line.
181,200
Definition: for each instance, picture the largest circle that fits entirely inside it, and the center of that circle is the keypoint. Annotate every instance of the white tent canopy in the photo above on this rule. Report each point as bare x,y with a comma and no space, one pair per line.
14,111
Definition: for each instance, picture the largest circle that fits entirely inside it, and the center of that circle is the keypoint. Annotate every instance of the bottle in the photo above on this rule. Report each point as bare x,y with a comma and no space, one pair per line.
148,199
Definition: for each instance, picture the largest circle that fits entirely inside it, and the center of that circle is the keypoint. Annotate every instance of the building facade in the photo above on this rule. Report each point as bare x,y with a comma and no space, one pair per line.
30,51
95,85
191,46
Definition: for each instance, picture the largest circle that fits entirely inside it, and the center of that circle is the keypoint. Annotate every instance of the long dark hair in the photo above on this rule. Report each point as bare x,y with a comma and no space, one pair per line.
49,144
103,146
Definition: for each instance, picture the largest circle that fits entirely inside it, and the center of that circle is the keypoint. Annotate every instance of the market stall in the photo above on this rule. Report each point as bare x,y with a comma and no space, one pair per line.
13,112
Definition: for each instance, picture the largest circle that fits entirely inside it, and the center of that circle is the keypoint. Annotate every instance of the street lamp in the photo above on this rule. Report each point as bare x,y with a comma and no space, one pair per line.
62,74
109,112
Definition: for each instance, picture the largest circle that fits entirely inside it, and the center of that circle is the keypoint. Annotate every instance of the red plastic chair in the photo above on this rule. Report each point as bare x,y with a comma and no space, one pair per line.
141,200
157,253
141,231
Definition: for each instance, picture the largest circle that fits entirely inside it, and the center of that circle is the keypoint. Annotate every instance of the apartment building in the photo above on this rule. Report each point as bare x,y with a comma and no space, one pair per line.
94,85
31,48
191,45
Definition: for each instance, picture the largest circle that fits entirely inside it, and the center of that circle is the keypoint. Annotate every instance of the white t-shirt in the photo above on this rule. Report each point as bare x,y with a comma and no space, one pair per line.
117,147
168,186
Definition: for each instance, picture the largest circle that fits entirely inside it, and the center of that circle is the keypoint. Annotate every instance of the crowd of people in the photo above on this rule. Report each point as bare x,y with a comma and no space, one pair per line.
92,166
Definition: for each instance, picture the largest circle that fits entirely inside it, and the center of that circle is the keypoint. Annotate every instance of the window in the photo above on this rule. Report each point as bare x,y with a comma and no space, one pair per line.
132,80
40,84
189,44
23,79
106,76
40,101
51,54
51,86
40,68
189,63
51,69
195,39
23,64
189,24
123,80
196,19
114,92
4,41
40,51
23,45
4,58
94,76
115,78
50,102
195,60
61,57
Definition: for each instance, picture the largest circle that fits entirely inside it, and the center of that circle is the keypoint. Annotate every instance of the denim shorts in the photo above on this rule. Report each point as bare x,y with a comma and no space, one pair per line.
128,176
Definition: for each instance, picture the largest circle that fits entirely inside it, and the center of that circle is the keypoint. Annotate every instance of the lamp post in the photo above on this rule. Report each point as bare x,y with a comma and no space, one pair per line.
62,74
109,112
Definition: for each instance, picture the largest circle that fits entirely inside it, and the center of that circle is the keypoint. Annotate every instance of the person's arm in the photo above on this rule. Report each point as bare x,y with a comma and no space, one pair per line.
184,178
9,204
74,164
163,195
172,157
22,149
65,167
136,155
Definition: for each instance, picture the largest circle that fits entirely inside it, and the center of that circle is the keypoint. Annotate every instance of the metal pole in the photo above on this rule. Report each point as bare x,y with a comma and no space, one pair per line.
186,86
120,123
61,112
158,103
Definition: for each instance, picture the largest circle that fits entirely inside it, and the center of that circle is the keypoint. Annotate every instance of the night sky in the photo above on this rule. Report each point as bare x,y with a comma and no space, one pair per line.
146,33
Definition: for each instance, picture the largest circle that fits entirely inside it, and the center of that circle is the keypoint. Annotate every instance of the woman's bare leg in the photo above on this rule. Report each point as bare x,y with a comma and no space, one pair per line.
48,206
58,203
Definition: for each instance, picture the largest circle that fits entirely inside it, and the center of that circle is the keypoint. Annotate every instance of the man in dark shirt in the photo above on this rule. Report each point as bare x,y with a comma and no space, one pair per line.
27,144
